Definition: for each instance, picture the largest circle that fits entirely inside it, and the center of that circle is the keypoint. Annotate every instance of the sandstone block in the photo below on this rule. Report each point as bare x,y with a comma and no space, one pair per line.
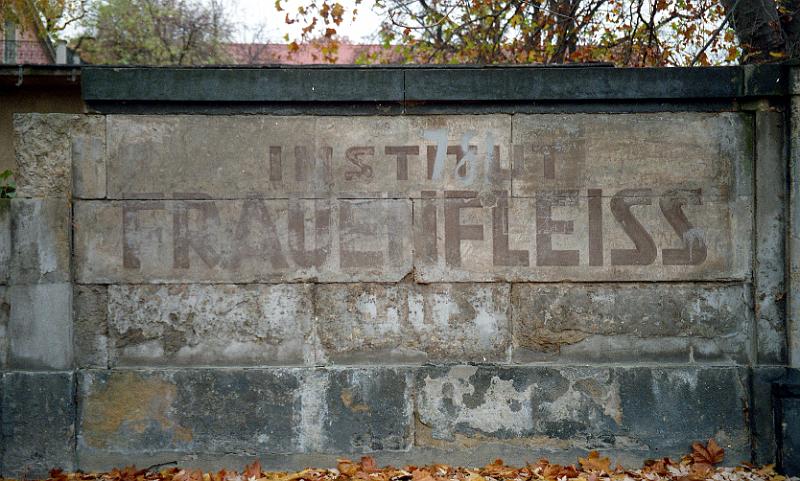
40,237
633,322
379,323
582,235
221,324
40,326
254,240
710,152
44,149
306,156
90,322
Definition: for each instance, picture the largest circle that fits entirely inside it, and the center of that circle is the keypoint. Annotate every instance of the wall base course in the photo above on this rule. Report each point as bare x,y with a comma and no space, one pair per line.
462,414
213,417
38,423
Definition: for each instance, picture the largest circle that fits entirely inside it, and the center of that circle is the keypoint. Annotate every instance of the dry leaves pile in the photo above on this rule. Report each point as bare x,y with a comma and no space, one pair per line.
699,465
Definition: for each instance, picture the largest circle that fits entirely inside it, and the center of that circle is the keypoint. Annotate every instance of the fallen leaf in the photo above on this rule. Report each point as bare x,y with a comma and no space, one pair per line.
368,464
346,467
710,454
421,475
593,462
188,475
252,471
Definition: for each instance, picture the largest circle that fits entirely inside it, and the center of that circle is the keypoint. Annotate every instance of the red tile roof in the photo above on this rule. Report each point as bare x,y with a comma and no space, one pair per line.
272,53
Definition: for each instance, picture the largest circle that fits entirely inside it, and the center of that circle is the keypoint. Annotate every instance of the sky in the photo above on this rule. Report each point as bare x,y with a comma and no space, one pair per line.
250,15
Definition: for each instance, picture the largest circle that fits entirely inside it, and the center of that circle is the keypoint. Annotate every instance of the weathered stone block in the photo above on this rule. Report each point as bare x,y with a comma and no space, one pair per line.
40,238
596,199
413,323
210,324
667,406
792,325
40,326
651,411
43,145
38,423
790,442
5,311
90,317
706,151
242,241
243,411
770,238
5,239
311,156
188,410
457,403
582,235
632,322
762,415
89,159
367,410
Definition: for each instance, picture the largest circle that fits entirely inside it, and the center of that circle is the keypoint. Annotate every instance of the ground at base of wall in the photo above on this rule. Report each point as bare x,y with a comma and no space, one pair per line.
699,465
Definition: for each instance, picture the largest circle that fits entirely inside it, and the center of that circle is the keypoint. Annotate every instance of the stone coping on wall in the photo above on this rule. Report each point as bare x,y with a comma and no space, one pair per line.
437,84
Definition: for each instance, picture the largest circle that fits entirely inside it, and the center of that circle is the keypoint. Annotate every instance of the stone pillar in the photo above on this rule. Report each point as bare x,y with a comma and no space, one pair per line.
770,228
793,309
38,391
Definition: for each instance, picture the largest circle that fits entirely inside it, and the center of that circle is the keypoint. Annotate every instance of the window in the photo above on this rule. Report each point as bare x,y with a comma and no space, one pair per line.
9,42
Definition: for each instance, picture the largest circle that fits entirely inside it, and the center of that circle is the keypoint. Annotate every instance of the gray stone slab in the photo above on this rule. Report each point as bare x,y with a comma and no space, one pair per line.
90,322
661,323
267,84
311,156
187,241
762,418
770,242
406,322
793,238
657,411
44,147
5,311
40,238
243,411
568,84
38,428
40,326
790,442
710,152
366,410
645,234
668,406
188,410
228,324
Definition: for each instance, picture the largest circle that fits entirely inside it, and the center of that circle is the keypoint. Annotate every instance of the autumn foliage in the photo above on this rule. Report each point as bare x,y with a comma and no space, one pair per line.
699,465
632,33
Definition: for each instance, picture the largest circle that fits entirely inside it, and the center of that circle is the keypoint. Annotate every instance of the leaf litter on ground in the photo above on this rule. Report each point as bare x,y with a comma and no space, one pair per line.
701,464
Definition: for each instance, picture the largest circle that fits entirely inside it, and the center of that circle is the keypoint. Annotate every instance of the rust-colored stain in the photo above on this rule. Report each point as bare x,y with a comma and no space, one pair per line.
129,404
347,400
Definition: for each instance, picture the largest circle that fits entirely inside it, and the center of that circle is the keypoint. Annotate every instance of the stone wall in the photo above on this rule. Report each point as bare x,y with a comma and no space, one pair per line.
456,286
